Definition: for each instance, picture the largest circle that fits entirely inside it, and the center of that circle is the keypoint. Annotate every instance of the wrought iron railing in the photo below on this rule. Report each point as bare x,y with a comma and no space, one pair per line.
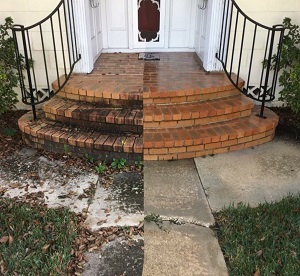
48,51
246,50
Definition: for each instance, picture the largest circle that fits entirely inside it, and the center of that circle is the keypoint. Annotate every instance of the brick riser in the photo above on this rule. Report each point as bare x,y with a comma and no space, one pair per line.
117,120
190,142
57,137
197,113
103,91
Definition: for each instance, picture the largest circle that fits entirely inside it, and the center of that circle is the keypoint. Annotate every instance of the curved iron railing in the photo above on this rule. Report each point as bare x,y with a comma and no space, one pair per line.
48,51
246,49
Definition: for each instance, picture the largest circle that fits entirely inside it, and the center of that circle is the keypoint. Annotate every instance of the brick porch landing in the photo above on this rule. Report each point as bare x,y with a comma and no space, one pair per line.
180,110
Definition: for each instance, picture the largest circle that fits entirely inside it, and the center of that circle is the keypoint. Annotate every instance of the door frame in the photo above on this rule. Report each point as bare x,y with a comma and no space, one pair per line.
213,35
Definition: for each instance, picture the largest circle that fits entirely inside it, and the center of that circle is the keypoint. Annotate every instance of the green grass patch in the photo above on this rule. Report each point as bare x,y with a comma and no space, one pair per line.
263,240
34,240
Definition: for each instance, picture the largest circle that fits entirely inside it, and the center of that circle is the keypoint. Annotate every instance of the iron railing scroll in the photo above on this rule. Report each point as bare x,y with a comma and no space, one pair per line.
246,50
48,51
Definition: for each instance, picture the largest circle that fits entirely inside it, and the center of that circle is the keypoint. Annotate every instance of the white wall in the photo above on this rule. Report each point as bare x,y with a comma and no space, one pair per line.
271,12
28,12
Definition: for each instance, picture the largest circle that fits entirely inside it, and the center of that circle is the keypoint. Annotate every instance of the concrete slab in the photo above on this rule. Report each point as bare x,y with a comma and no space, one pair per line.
173,190
26,174
182,250
264,173
119,257
121,204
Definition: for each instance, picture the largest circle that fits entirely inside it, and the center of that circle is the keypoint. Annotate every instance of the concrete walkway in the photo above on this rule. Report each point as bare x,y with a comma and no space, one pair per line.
184,193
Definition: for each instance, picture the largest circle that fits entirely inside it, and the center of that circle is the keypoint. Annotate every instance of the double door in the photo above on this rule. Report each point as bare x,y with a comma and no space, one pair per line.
128,25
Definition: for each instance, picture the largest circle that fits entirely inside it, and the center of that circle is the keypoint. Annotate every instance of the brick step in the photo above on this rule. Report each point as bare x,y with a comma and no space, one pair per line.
189,88
190,142
57,137
106,89
198,113
100,118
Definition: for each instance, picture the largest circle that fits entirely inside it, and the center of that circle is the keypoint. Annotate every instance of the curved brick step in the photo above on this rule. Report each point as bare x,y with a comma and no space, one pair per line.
199,113
188,95
57,137
113,90
190,142
101,118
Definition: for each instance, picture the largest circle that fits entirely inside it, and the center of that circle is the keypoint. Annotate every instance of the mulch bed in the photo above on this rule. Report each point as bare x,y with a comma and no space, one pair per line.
289,123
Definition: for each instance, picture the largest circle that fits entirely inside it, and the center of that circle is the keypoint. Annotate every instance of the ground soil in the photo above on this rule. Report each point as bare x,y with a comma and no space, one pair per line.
289,123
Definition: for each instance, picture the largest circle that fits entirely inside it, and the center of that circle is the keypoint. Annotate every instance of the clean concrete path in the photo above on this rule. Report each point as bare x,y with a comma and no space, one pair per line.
188,191
265,173
173,191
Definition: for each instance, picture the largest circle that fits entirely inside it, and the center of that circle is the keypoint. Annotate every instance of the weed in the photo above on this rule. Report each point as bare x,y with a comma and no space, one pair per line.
118,163
66,148
154,218
101,168
89,158
139,164
9,131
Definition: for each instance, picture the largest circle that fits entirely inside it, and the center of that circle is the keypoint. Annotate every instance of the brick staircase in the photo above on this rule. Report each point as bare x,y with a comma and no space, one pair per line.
161,110
189,113
99,114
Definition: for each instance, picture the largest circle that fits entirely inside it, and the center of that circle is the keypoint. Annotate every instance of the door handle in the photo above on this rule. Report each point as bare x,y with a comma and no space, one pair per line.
93,5
203,5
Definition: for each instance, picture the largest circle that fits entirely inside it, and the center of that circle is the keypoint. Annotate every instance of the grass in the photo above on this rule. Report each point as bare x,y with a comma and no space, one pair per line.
261,241
34,240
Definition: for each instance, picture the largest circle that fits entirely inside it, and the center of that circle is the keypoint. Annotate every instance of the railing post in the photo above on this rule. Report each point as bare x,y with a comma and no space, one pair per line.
27,67
268,69
18,59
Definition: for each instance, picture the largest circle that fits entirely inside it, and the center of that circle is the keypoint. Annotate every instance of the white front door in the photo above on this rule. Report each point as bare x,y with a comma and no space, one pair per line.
96,28
149,23
117,24
181,23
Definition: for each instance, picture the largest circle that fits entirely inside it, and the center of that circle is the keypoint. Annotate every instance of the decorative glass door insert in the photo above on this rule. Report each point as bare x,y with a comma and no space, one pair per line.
148,23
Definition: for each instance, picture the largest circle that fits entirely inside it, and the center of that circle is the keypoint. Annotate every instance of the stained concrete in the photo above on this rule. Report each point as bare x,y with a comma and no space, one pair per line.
26,173
182,250
121,204
119,257
264,173
173,190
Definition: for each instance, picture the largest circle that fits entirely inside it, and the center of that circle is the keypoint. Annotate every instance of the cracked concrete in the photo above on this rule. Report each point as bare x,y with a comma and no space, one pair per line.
26,174
188,248
173,190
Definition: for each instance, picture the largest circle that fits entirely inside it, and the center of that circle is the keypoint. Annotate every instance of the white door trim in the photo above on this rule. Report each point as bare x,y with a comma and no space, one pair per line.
83,32
213,31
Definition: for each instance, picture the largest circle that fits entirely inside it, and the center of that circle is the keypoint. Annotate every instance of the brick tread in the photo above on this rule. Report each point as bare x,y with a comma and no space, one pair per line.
198,113
189,142
43,133
82,113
